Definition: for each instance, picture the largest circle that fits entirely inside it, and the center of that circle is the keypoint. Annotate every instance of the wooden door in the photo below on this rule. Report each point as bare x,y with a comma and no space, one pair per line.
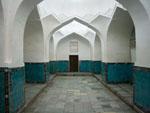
74,63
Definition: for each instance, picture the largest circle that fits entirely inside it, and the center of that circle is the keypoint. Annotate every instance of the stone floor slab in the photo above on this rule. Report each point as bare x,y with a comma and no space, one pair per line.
77,94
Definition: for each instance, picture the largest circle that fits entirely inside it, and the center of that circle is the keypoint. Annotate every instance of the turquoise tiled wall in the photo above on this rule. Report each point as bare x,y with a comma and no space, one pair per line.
58,66
86,66
16,85
142,88
2,92
97,67
52,67
17,89
62,66
103,70
37,72
117,72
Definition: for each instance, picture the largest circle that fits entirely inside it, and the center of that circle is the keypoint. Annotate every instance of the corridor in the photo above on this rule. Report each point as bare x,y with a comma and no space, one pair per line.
41,41
77,94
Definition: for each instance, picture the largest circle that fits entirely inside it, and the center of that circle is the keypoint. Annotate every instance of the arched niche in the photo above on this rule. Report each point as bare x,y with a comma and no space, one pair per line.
119,67
33,39
118,37
23,11
140,14
84,48
97,49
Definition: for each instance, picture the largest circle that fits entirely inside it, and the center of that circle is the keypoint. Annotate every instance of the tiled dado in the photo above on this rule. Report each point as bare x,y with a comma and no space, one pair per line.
12,94
142,88
117,72
37,72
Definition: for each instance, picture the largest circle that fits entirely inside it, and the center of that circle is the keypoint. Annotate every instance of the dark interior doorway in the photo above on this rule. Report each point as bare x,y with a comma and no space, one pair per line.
74,63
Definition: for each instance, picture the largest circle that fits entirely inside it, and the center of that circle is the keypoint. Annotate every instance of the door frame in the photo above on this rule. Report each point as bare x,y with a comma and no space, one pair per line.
78,63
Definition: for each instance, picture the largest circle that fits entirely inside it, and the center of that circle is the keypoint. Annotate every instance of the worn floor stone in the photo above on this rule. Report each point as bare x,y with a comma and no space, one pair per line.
125,90
77,94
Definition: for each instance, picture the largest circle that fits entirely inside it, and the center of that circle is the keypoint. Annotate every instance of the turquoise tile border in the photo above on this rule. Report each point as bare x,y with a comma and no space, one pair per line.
103,70
62,66
52,68
97,67
86,66
117,72
37,72
2,92
142,88
16,85
17,89
58,66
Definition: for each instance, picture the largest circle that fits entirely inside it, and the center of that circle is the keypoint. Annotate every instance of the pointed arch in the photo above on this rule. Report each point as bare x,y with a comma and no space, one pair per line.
17,34
85,43
79,21
141,17
33,39
118,37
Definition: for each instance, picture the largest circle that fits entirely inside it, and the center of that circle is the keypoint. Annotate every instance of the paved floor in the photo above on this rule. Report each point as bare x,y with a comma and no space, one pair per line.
125,90
77,94
31,90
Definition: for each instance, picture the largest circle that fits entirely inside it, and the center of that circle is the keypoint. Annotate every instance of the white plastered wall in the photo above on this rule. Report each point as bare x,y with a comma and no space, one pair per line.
97,49
16,14
1,33
140,13
48,24
84,48
101,23
118,37
34,39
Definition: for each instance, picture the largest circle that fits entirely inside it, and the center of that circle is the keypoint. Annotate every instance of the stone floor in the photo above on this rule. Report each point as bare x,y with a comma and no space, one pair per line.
77,94
31,90
125,90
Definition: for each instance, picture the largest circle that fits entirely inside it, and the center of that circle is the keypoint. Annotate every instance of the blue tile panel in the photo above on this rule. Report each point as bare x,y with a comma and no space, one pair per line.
103,70
52,67
16,85
17,89
58,66
86,66
142,88
97,67
119,72
2,92
37,72
62,66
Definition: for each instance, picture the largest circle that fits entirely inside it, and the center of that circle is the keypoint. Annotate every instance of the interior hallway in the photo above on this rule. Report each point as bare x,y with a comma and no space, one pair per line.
77,94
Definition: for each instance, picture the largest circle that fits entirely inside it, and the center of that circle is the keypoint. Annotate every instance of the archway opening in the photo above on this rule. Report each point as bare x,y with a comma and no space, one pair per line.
139,12
74,44
76,26
34,49
120,59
